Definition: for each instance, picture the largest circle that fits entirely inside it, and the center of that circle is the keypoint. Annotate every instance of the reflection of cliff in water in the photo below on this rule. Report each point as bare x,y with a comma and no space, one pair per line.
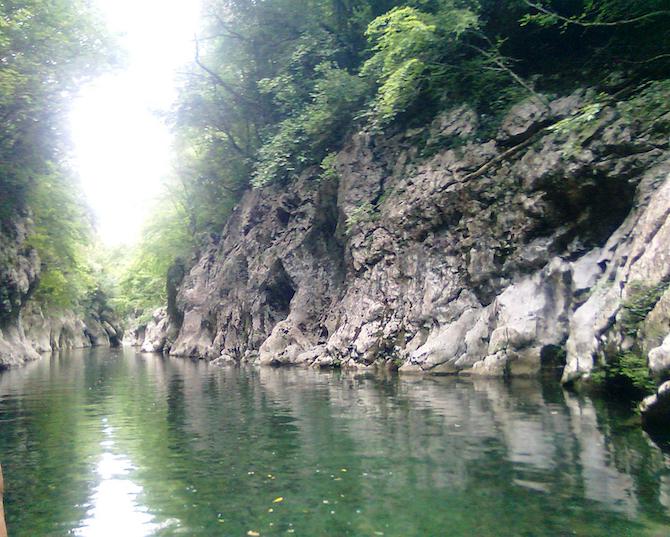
552,442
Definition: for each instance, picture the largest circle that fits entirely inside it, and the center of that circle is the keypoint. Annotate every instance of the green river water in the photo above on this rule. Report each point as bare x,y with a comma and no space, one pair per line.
103,442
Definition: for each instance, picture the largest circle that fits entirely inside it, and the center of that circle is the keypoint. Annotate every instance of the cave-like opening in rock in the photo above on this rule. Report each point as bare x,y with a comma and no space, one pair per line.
279,290
552,361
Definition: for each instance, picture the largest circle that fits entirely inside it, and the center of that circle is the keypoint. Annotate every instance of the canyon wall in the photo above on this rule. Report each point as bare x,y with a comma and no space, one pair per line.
447,249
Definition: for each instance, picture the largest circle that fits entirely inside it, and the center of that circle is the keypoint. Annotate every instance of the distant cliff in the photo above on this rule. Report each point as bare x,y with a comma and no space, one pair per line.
26,328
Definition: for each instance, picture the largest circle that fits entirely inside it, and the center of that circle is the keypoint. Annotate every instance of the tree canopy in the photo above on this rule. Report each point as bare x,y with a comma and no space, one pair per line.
273,90
275,84
48,48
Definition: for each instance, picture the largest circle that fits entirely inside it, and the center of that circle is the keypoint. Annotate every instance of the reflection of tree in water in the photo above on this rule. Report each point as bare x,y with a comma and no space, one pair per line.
634,453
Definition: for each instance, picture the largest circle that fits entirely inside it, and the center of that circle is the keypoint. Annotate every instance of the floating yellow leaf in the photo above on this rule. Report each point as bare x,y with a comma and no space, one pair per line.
278,500
252,533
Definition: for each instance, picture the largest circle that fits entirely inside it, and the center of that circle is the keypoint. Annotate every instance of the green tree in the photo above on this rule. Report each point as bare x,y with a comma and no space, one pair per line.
409,46
143,270
47,49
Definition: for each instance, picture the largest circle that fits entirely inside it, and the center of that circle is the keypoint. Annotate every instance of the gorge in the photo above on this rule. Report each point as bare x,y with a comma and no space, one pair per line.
406,272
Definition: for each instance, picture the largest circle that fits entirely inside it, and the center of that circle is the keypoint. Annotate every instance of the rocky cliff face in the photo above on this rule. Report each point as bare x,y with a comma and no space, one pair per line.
19,270
443,250
65,329
25,329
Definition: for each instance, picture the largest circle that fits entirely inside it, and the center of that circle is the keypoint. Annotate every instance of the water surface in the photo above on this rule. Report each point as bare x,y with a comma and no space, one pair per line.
106,442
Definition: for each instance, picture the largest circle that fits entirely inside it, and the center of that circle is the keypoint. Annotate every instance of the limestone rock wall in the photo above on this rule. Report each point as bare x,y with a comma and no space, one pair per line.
442,250
155,333
59,330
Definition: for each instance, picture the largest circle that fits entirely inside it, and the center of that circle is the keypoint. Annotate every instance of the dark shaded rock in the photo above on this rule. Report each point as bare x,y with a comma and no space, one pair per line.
524,120
19,268
265,271
175,276
655,409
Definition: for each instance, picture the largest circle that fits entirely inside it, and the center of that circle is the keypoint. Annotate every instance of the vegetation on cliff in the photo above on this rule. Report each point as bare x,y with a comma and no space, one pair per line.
276,85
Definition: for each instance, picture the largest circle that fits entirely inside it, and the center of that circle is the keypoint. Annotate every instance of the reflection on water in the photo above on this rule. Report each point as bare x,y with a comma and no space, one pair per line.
114,505
104,442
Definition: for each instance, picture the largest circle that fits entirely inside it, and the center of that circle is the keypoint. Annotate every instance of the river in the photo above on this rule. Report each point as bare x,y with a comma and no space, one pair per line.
102,442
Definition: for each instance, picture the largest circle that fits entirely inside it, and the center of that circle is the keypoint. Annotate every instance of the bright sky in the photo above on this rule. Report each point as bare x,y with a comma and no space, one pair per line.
122,147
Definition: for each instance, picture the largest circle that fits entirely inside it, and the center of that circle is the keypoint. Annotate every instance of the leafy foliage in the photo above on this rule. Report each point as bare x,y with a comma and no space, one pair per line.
651,106
143,270
408,46
625,373
329,168
628,372
47,49
304,139
638,305
273,86
62,236
363,213
276,84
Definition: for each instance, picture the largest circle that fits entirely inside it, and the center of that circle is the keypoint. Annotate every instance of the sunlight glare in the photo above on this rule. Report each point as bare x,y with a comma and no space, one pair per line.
115,508
121,144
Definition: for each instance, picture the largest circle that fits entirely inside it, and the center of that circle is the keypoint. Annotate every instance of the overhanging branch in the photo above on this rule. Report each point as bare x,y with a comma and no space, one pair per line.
587,24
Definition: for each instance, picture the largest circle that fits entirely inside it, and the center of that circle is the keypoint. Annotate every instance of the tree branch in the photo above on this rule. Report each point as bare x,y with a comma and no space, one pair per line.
500,61
577,22
239,97
226,129
655,58
227,28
